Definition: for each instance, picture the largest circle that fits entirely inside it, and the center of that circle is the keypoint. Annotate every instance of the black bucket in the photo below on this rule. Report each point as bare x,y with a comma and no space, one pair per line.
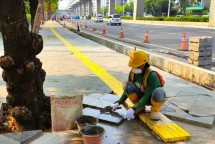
85,120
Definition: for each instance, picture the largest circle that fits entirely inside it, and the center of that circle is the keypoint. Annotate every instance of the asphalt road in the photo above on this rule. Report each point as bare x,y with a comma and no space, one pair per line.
165,37
161,37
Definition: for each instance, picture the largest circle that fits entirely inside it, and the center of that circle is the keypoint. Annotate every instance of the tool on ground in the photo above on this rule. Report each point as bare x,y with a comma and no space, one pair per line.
108,110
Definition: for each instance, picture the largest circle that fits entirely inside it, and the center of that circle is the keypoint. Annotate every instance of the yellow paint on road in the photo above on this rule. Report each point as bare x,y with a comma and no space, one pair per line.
167,130
108,79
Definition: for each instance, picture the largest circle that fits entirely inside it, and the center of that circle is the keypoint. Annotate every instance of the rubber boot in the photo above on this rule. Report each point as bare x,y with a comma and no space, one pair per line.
155,110
133,98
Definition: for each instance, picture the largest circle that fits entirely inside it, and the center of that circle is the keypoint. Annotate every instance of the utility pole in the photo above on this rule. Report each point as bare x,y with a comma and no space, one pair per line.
169,8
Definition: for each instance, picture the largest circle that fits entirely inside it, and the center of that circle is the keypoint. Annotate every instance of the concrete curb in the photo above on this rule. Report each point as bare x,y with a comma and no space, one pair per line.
186,71
203,25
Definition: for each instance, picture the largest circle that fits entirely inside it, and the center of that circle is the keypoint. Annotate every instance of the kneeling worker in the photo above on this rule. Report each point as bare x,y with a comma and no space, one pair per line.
144,87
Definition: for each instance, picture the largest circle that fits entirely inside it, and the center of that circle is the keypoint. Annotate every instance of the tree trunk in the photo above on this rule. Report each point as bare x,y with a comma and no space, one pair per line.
33,8
22,71
49,11
43,12
38,17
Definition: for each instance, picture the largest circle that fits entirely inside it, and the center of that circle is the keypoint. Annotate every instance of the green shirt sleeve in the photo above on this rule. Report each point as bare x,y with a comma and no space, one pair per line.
152,83
124,96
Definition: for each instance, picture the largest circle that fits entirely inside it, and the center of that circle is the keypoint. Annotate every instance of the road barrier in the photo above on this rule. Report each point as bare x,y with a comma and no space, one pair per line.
183,46
94,27
121,33
86,25
104,30
146,37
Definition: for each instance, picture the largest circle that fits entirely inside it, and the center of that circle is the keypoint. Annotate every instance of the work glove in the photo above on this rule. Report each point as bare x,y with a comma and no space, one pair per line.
115,106
130,114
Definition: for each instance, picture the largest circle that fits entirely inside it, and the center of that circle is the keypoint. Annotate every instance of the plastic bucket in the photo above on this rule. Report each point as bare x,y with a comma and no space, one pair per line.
92,134
85,120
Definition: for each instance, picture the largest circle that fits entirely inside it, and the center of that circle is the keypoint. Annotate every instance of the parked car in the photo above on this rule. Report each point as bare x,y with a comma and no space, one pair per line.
99,18
75,17
88,17
114,19
68,16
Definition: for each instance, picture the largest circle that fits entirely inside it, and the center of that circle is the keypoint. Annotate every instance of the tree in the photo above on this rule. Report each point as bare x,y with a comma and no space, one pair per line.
183,5
104,10
118,9
33,8
50,7
22,71
129,7
156,7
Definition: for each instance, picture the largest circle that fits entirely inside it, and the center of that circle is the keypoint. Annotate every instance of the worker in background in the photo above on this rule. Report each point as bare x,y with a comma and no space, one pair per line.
144,87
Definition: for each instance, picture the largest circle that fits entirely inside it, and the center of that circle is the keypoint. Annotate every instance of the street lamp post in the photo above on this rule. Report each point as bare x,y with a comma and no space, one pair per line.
169,8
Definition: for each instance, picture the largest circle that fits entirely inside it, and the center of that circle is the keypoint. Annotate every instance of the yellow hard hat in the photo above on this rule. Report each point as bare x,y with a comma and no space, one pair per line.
138,58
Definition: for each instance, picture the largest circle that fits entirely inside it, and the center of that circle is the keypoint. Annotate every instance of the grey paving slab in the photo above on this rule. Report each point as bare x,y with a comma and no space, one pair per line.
99,100
174,112
200,121
63,137
110,97
204,106
23,137
104,117
6,140
184,103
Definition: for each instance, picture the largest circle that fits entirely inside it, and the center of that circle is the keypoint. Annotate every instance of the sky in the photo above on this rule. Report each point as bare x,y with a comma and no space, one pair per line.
63,4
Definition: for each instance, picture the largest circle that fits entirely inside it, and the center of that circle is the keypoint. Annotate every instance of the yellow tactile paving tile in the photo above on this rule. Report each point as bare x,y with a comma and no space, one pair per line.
165,128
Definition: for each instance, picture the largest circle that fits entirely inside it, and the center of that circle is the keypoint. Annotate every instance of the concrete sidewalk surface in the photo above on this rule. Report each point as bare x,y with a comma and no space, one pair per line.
68,76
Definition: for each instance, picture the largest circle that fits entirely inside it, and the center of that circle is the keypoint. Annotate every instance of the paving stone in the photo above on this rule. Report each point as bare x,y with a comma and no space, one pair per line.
62,137
103,117
184,103
99,100
110,97
204,106
23,137
200,121
174,112
6,140
197,39
87,100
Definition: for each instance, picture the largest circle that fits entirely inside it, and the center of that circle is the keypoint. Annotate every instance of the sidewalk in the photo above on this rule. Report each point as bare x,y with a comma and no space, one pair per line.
67,75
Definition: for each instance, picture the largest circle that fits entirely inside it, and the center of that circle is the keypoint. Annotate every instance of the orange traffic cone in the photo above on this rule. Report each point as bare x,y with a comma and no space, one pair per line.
94,28
121,33
183,43
86,25
104,30
146,37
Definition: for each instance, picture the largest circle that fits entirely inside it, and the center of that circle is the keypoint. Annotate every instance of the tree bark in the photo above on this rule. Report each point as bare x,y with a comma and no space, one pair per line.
33,8
38,17
49,11
22,71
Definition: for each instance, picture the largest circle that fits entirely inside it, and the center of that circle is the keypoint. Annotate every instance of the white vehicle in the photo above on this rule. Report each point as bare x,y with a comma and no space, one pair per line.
98,18
114,19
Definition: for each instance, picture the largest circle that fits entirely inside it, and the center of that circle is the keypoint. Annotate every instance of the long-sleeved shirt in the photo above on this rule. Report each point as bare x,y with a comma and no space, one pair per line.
153,82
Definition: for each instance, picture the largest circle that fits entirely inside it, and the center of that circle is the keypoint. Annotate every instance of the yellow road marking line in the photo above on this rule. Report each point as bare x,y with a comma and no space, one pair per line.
168,132
108,79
